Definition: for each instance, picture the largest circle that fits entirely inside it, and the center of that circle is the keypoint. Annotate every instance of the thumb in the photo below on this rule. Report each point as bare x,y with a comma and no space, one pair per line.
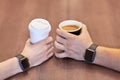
84,28
28,42
65,34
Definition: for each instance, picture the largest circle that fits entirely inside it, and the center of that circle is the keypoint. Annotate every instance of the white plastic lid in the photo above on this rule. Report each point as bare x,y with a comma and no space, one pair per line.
40,25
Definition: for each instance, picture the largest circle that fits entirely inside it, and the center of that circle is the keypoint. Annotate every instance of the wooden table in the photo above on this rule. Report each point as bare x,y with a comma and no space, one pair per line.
102,18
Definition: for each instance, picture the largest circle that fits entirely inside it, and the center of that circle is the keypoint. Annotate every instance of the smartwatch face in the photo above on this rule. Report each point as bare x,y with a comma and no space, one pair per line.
89,56
25,63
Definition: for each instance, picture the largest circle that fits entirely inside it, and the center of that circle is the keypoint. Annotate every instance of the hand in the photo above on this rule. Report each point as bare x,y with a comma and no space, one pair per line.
39,52
73,46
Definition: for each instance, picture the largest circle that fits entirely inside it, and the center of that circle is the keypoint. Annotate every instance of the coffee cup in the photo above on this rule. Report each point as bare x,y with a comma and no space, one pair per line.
39,30
71,26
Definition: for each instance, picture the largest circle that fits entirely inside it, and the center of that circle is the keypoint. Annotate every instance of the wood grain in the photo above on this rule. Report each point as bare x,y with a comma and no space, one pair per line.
102,18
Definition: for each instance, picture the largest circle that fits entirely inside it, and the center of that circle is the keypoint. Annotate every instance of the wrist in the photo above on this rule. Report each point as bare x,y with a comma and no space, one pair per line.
85,47
17,68
90,53
29,59
23,62
88,45
9,67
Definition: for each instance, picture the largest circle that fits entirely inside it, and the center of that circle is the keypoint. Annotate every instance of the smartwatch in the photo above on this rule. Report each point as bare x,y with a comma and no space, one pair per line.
23,62
90,53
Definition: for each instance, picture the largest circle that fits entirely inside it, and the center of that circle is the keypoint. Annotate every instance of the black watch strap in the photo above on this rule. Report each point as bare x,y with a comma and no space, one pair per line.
90,53
93,47
23,62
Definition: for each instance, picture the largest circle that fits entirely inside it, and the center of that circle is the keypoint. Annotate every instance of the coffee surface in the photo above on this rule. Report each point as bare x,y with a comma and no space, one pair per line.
70,27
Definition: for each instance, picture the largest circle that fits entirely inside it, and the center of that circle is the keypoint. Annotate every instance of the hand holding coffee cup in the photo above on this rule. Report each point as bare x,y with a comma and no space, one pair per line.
72,46
71,26
39,30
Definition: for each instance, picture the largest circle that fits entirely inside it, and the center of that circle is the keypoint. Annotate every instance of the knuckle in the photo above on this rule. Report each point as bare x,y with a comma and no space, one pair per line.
72,37
50,38
69,43
56,44
45,48
57,38
68,47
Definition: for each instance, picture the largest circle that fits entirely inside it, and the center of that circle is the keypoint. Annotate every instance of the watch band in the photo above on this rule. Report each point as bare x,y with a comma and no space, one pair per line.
90,53
23,62
93,47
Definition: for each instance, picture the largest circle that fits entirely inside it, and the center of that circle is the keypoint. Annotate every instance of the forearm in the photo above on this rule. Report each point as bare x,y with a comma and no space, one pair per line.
108,57
9,67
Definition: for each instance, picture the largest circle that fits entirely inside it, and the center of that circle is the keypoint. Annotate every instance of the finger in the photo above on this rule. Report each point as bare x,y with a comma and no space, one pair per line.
65,34
84,31
45,41
84,28
60,40
28,42
49,46
49,50
49,43
50,55
61,55
59,46
48,40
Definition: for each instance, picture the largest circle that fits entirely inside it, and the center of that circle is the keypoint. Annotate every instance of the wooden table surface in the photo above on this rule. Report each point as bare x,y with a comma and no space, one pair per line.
102,18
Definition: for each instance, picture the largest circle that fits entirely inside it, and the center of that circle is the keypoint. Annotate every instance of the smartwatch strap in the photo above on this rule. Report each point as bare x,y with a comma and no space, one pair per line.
23,62
93,47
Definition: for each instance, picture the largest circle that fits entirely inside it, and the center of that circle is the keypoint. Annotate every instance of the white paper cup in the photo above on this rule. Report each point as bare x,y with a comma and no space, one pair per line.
39,30
72,22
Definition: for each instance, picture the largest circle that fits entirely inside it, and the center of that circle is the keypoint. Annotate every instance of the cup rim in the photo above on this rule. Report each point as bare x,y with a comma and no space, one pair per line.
71,22
42,30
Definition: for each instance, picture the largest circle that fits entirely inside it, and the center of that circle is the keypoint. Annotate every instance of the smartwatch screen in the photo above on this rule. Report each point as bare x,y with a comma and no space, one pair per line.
89,56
